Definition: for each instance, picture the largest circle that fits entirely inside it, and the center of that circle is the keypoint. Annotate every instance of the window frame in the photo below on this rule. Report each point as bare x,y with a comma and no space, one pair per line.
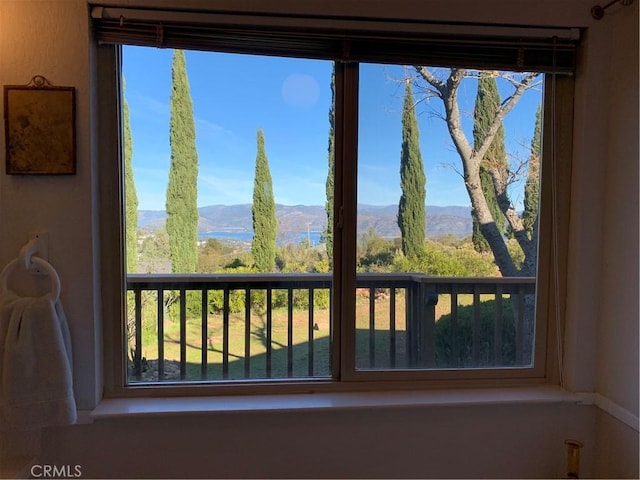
551,280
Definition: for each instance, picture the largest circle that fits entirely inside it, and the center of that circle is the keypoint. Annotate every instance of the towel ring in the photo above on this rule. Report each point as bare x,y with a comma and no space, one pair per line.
46,266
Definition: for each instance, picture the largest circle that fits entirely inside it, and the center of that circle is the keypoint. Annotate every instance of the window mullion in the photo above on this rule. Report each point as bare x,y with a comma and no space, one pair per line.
345,214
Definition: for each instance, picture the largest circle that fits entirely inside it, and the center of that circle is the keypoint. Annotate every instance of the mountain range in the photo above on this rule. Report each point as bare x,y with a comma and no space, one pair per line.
455,220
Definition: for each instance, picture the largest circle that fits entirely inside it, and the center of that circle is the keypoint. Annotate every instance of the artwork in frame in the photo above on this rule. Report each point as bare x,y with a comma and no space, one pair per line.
40,129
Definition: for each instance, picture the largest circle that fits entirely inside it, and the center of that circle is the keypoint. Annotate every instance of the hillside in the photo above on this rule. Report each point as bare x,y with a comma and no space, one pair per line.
455,220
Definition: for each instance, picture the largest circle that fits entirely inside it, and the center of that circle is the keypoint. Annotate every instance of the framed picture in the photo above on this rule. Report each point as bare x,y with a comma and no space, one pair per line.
40,129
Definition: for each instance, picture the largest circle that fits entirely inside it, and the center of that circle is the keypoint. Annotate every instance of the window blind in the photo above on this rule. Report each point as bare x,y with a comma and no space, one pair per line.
540,49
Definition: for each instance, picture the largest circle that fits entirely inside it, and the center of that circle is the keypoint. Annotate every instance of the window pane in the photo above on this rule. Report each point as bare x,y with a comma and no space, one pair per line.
447,218
228,269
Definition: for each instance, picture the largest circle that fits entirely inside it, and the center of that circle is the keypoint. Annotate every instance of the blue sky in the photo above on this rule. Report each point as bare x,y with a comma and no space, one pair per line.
235,95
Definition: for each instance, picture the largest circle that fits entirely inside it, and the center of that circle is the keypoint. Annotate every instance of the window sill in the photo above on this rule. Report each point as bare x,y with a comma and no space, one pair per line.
182,406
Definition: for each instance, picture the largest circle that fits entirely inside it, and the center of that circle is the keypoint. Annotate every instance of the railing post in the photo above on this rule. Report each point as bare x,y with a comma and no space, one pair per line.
421,319
183,333
427,348
411,313
137,360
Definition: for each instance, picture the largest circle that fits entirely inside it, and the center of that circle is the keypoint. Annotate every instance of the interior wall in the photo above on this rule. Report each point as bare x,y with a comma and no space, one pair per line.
52,39
442,442
616,448
618,327
617,370
601,349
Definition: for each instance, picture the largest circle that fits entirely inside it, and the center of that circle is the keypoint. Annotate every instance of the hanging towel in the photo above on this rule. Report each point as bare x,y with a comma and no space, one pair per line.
36,386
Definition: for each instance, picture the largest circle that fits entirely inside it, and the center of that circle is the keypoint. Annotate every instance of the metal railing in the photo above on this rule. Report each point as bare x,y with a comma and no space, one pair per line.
404,321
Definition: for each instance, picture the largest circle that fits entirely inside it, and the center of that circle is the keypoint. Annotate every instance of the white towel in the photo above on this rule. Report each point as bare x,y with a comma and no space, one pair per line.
36,386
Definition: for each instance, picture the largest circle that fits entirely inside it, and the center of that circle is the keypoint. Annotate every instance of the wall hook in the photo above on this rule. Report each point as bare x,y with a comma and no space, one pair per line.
38,244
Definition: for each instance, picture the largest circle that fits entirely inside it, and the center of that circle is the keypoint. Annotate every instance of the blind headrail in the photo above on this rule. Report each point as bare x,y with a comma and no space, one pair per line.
544,49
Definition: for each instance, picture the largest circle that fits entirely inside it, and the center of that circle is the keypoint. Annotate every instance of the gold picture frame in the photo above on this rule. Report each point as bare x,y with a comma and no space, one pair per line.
40,131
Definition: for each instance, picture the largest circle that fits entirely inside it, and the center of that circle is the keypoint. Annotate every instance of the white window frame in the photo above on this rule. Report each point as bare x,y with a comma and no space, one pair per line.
551,281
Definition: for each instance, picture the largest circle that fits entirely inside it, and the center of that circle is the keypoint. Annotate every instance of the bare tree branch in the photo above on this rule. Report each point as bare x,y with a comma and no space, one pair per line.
471,158
429,78
507,106
451,166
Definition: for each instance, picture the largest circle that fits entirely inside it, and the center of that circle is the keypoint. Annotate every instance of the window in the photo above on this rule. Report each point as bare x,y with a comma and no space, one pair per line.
378,206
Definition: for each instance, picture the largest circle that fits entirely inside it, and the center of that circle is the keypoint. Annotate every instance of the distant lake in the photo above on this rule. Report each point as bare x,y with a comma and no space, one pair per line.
293,237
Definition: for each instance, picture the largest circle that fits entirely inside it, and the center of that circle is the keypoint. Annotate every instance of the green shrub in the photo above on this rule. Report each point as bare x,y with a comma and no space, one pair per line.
447,261
321,298
236,301
375,254
193,302
464,358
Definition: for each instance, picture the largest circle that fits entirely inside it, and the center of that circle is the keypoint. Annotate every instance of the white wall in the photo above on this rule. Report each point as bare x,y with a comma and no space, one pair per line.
617,353
52,38
618,326
441,442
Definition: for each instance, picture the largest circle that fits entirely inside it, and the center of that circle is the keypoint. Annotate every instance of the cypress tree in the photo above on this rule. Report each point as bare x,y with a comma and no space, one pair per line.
131,197
487,104
532,186
263,246
182,191
411,211
330,173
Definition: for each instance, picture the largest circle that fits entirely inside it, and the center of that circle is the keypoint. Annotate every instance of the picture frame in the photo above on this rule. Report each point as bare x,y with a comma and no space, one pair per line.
40,130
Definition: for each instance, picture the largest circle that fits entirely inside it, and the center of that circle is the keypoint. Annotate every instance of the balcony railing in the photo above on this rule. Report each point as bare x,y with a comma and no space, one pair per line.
218,327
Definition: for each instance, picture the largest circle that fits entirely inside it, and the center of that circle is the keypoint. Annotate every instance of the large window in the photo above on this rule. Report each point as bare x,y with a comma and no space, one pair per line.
293,214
